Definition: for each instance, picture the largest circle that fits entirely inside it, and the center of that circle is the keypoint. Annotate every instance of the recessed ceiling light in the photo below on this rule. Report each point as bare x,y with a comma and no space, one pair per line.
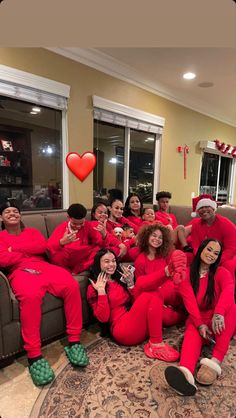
33,113
36,109
189,76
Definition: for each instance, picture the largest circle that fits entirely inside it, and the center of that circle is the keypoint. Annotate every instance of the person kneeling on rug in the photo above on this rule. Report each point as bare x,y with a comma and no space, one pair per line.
30,277
111,296
212,319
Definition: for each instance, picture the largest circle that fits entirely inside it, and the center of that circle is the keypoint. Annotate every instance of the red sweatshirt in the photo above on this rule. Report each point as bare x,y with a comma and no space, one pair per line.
113,305
166,218
222,229
222,302
78,255
22,251
149,274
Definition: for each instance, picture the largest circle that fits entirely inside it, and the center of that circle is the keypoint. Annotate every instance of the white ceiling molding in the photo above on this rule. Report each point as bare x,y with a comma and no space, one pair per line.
108,65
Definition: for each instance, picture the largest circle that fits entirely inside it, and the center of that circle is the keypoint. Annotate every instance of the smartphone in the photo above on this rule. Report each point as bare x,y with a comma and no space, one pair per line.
131,268
211,339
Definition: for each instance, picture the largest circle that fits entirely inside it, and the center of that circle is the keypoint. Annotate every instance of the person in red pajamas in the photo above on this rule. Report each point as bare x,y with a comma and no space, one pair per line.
30,276
131,321
152,271
212,317
116,218
133,209
162,214
99,216
74,243
211,225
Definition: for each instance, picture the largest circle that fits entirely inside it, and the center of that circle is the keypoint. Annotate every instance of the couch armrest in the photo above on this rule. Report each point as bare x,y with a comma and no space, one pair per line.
6,297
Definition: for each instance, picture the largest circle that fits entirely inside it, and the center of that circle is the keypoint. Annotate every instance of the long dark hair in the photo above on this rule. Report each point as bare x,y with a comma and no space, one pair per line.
94,208
127,210
195,272
95,269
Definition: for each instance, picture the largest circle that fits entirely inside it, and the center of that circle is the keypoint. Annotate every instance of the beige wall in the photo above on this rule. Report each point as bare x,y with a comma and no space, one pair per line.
182,125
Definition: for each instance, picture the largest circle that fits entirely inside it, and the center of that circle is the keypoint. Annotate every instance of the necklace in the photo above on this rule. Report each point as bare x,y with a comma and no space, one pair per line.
203,271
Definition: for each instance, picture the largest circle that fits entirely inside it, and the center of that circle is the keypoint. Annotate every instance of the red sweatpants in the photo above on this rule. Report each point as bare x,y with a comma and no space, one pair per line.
143,320
193,342
30,289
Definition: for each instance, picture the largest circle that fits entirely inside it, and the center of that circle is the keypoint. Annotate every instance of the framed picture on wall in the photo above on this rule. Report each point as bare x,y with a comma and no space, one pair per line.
6,145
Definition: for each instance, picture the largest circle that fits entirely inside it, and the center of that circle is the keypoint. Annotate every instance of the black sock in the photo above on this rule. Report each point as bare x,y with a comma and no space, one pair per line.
33,360
73,343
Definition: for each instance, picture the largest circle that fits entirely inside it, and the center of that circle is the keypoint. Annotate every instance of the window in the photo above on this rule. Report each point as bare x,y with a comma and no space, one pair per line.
216,176
32,140
127,146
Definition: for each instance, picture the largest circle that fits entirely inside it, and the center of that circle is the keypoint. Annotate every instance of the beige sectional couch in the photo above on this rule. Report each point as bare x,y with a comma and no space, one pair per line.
53,320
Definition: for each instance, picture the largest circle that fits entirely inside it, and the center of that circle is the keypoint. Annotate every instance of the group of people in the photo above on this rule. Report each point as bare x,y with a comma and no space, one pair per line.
180,273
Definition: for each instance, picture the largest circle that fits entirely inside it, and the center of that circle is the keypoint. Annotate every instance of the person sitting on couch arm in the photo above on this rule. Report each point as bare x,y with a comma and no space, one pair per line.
212,318
22,253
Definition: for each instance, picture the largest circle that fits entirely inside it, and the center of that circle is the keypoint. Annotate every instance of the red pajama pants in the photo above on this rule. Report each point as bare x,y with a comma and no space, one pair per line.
30,289
193,342
145,319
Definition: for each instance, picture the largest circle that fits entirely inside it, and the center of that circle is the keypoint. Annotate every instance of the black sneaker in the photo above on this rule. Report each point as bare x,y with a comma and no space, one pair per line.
188,249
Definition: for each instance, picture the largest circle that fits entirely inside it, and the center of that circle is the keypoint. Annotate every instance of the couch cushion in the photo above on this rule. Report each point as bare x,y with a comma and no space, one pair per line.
182,213
52,220
35,221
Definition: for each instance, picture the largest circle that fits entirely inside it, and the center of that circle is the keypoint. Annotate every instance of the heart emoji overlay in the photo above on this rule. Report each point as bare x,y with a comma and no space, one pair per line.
81,166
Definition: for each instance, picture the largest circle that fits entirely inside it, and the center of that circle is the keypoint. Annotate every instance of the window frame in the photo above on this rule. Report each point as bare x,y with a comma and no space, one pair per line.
25,86
129,117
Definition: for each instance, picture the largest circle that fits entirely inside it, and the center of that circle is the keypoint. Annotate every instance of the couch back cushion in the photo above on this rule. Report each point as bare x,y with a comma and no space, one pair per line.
35,221
182,213
52,220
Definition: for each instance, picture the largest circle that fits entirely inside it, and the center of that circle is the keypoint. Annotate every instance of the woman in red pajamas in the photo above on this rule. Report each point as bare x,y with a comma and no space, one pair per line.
30,276
152,271
110,295
212,317
116,218
133,209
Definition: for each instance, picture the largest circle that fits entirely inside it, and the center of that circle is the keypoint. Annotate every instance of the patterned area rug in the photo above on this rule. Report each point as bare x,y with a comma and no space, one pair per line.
122,382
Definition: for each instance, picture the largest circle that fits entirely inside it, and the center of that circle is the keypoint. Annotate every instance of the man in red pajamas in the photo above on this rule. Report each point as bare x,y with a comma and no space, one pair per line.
74,243
30,276
211,225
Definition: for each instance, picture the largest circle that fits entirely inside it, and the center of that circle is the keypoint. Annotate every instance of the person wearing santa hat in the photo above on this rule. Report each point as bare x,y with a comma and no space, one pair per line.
211,225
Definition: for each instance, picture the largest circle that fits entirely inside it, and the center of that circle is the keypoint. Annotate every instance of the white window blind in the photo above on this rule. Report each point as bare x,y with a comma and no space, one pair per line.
118,114
31,88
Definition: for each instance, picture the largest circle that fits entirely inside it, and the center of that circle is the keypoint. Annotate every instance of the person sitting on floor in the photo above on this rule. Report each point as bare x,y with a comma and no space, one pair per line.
131,322
74,243
212,318
30,276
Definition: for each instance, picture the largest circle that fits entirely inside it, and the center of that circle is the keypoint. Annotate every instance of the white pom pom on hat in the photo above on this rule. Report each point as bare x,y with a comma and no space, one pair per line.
201,201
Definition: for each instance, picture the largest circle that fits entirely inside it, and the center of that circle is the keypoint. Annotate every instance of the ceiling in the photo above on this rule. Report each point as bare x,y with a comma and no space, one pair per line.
160,70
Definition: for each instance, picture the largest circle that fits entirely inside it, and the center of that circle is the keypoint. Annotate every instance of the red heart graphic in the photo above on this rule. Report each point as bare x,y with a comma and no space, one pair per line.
81,166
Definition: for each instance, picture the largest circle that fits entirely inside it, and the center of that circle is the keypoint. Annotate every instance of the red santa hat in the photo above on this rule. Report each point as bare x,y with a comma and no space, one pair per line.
202,200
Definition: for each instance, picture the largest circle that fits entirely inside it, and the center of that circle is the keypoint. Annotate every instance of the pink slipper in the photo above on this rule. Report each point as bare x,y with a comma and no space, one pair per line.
162,352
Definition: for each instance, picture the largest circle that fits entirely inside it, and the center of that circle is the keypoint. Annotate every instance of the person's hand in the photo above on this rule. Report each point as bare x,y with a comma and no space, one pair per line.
204,331
9,249
123,250
218,323
127,276
101,227
176,268
100,284
68,237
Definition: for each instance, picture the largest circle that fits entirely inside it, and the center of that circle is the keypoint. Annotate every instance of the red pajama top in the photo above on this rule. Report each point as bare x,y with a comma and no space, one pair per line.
166,218
26,249
111,306
222,229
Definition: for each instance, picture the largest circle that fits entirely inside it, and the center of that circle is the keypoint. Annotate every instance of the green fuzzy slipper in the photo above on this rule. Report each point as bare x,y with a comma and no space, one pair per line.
77,355
41,372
